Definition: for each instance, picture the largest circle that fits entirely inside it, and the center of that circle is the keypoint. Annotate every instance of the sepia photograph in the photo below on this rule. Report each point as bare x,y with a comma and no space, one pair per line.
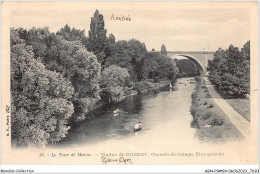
129,83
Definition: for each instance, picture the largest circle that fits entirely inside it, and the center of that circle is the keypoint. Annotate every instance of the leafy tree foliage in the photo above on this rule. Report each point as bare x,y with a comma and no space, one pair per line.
245,51
187,68
156,66
230,70
137,51
71,34
163,50
144,85
97,36
73,61
129,55
114,79
111,39
120,56
168,68
150,68
108,50
41,99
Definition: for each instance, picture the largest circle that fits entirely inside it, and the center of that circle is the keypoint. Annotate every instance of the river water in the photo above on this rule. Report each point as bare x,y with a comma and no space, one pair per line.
166,137
166,130
154,110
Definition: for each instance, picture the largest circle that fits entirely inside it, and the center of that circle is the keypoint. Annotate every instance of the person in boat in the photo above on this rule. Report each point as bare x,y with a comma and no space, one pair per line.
116,111
138,125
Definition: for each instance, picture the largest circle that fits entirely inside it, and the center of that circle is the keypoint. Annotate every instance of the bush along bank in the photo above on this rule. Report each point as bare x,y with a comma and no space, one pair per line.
145,86
210,122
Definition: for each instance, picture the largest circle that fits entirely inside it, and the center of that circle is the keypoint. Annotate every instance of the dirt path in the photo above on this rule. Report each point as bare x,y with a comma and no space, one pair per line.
236,119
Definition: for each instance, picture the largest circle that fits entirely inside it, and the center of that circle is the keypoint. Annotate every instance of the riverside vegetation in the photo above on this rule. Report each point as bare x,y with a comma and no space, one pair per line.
229,72
209,120
57,78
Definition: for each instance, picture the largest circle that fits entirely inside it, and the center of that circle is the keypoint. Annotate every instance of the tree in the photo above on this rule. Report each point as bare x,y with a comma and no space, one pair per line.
158,66
83,70
120,56
69,58
41,99
109,49
137,51
230,71
97,36
129,55
234,60
153,49
39,38
114,79
150,66
163,50
85,76
73,61
245,51
167,68
71,34
218,67
111,39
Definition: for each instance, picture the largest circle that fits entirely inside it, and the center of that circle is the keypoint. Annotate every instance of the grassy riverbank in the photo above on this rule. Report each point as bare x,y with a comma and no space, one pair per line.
210,122
241,105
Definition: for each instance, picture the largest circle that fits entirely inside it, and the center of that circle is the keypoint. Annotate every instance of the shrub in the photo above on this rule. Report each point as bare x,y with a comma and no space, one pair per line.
216,122
195,123
144,85
113,80
150,80
210,106
198,79
207,115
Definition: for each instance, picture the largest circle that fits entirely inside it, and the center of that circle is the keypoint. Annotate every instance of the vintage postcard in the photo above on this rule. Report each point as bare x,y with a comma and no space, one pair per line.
129,83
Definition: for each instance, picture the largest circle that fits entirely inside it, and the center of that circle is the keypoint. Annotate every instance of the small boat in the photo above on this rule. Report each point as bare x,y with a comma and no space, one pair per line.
138,127
116,111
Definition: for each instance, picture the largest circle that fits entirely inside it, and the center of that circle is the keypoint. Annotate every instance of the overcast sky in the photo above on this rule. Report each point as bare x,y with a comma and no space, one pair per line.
179,29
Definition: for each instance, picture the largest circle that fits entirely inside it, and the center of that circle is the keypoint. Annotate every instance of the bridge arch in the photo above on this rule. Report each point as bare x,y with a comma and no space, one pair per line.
195,60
